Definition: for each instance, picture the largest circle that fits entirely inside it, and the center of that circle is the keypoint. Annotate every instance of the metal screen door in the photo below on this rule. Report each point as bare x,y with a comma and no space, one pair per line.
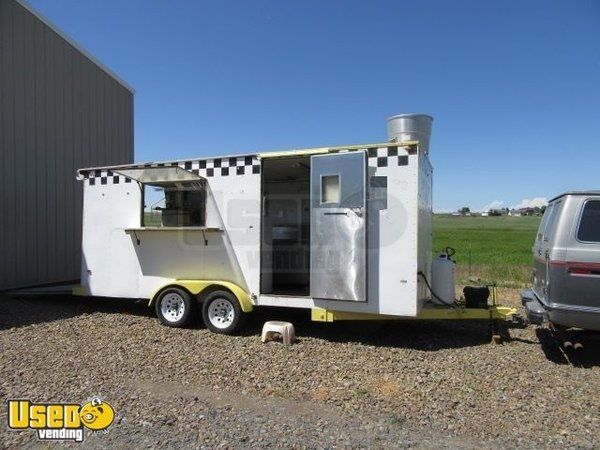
338,234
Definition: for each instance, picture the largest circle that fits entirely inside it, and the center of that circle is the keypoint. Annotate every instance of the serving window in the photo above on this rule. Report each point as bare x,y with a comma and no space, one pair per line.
175,204
172,196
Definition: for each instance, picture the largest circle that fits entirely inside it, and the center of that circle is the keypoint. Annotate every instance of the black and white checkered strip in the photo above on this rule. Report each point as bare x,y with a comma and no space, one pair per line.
207,168
235,165
388,156
104,176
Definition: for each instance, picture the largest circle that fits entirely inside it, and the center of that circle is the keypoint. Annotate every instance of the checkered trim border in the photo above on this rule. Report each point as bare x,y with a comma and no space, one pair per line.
207,168
242,165
104,176
388,156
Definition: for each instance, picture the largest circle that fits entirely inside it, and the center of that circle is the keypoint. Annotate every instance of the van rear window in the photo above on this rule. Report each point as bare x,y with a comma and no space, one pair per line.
589,224
549,221
544,221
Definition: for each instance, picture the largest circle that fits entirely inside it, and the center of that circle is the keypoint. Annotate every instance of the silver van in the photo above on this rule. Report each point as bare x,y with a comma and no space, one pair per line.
566,267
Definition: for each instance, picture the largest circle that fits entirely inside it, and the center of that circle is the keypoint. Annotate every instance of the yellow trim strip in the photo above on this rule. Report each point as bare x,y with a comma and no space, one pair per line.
493,312
321,150
79,291
433,313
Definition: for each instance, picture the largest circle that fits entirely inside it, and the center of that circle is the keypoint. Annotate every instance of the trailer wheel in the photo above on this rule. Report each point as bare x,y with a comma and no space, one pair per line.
174,307
222,312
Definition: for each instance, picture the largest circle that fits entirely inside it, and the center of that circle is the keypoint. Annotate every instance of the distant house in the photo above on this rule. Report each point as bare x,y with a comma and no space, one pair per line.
527,211
514,213
485,214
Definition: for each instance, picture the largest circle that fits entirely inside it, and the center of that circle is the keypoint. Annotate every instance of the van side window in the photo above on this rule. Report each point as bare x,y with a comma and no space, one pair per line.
589,224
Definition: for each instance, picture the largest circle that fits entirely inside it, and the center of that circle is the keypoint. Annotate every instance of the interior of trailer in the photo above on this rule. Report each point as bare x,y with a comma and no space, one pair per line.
285,241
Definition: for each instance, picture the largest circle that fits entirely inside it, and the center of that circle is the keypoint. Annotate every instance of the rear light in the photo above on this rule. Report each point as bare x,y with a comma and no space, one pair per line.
576,271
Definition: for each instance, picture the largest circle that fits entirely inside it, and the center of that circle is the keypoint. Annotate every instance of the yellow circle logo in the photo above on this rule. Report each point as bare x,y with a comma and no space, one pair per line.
97,415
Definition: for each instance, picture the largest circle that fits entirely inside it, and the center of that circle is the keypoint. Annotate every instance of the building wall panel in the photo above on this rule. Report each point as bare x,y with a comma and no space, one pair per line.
59,111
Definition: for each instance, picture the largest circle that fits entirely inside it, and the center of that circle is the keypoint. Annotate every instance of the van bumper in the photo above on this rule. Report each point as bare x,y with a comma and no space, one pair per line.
569,316
536,313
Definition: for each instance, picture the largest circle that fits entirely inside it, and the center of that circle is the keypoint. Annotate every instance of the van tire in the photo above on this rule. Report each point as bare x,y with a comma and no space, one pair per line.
222,313
174,307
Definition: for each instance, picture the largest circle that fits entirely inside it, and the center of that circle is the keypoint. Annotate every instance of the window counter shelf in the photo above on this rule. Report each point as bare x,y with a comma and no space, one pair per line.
205,229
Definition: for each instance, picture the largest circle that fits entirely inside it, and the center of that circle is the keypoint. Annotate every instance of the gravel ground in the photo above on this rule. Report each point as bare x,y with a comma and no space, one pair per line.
395,384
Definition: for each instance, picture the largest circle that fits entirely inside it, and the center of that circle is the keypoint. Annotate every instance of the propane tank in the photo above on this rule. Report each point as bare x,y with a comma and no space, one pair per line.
442,278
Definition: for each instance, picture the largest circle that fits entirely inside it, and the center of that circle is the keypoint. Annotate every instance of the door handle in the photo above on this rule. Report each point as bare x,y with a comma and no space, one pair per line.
358,211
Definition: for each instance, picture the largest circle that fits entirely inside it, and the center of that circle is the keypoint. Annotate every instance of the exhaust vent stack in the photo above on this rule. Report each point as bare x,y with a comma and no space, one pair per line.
410,127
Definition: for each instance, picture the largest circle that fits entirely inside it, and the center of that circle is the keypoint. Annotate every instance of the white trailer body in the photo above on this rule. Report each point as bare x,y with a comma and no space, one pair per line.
341,229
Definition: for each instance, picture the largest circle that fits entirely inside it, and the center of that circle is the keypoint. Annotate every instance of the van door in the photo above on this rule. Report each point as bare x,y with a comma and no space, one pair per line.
583,258
542,250
338,226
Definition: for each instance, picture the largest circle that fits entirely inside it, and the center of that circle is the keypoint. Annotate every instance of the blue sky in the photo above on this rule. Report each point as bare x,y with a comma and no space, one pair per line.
514,87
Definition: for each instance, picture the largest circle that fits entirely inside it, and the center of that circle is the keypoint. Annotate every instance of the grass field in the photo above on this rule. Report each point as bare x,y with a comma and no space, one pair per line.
494,249
152,219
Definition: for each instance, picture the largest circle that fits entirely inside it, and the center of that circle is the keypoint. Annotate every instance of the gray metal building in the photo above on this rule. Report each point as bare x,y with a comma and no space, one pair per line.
60,110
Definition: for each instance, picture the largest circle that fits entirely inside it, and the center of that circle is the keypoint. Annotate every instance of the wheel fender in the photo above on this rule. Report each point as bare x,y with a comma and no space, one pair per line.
196,287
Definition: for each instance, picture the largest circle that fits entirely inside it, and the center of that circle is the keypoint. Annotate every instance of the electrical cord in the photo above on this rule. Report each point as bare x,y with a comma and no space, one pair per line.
451,305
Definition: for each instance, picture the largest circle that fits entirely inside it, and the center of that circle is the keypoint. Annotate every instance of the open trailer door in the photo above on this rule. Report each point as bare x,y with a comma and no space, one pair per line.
338,234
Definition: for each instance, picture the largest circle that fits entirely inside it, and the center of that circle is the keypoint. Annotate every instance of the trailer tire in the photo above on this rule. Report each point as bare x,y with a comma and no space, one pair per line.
222,313
174,307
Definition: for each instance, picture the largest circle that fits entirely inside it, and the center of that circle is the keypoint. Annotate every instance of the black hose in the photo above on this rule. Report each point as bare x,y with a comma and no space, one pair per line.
433,294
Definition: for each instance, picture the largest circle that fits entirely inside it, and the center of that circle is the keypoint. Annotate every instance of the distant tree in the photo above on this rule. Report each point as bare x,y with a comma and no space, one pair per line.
464,210
495,212
543,209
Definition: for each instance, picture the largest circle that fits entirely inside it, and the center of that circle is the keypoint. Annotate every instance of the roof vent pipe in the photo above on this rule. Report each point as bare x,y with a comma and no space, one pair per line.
410,127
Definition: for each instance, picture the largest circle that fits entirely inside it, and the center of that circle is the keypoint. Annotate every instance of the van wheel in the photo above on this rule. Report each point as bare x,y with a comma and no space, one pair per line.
222,312
174,307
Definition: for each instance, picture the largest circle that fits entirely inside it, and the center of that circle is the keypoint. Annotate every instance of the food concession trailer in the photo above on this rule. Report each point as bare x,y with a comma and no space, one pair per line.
344,231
